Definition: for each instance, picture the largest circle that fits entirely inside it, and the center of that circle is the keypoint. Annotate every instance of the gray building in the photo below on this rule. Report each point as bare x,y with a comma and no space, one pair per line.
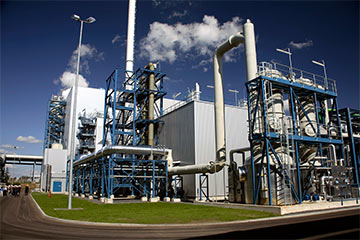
190,131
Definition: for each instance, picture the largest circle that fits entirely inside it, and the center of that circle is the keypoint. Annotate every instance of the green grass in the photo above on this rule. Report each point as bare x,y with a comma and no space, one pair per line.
148,213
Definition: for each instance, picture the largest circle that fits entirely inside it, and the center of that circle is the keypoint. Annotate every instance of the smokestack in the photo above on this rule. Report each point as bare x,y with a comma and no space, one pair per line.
250,50
130,37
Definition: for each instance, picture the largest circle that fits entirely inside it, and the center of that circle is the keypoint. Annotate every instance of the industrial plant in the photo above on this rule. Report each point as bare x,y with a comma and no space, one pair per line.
287,144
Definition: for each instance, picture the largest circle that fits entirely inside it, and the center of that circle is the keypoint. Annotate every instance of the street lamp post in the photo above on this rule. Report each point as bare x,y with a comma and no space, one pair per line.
236,92
287,51
74,97
322,64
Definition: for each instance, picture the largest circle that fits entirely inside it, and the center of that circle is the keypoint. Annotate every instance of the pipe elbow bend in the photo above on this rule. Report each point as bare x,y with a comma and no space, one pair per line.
236,39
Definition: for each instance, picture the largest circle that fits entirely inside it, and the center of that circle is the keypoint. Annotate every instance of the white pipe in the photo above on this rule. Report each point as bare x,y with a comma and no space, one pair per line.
251,67
105,151
250,50
232,42
193,169
332,146
130,37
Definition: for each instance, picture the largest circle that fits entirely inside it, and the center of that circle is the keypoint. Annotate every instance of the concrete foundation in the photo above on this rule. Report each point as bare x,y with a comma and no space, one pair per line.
155,199
291,209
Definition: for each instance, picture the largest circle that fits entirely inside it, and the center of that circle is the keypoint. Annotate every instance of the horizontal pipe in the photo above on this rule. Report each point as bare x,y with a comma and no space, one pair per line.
106,151
239,150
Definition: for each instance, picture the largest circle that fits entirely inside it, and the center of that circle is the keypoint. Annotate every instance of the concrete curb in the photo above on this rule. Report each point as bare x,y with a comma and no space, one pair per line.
136,225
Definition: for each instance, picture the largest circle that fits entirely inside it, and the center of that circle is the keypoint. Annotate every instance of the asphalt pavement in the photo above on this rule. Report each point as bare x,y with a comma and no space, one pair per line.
21,219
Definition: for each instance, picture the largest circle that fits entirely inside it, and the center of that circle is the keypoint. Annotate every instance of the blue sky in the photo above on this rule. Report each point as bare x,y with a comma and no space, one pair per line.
38,40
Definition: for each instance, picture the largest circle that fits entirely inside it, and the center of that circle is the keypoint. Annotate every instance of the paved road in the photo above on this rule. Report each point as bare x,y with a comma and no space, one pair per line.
21,219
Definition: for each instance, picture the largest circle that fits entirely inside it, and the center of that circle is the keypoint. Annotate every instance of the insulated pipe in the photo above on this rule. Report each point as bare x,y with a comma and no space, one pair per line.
130,37
250,50
332,146
232,42
105,151
151,106
193,169
239,150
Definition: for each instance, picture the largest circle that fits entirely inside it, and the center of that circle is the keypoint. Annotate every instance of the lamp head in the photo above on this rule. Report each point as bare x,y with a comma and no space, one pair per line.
90,20
75,17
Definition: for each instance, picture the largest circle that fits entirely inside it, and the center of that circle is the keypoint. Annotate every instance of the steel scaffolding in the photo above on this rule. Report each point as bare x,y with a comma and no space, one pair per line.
277,137
86,134
350,118
126,122
55,121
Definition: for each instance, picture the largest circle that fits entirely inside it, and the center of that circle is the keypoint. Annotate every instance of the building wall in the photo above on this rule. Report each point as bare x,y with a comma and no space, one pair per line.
56,158
190,132
178,133
90,99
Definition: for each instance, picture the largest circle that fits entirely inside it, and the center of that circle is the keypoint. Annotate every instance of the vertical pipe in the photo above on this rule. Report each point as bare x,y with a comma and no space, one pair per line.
90,181
298,171
153,178
151,105
83,181
102,174
250,50
262,87
268,170
316,115
340,130
167,179
109,177
130,37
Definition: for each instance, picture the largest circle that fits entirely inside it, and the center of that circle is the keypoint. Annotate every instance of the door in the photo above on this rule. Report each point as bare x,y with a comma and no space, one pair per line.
56,186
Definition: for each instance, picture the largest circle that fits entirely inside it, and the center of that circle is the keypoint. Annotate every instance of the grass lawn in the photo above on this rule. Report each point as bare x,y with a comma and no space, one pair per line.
148,213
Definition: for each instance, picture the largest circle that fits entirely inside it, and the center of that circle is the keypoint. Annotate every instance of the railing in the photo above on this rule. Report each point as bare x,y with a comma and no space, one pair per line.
278,70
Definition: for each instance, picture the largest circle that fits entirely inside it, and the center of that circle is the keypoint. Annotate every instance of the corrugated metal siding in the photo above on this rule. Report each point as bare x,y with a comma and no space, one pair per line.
190,132
178,134
236,137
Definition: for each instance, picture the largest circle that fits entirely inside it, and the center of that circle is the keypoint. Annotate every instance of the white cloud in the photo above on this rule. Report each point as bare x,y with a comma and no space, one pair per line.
4,151
177,14
116,39
11,146
87,53
67,80
301,45
166,42
29,139
7,146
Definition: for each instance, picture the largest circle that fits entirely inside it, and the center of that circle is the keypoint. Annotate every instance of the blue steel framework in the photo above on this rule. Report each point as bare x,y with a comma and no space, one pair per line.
55,121
351,119
294,90
204,186
126,123
86,134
